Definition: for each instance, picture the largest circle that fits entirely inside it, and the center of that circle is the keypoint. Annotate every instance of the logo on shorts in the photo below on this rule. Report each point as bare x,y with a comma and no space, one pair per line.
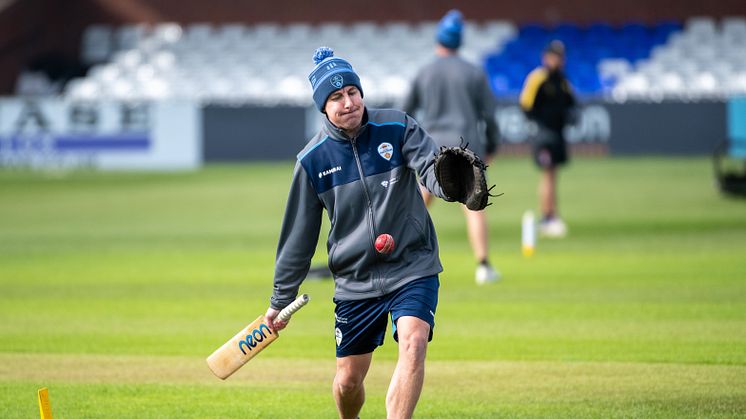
337,81
338,335
386,150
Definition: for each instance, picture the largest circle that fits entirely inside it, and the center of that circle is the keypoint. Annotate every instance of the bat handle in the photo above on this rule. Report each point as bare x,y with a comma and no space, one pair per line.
293,307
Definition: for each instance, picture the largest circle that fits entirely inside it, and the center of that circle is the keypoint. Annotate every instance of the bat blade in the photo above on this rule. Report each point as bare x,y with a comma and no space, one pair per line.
239,350
247,343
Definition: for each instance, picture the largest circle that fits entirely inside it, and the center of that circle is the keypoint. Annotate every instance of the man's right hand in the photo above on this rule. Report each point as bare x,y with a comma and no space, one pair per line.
269,318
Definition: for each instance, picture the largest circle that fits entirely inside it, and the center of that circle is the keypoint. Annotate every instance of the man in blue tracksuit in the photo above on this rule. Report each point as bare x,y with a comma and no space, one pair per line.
363,169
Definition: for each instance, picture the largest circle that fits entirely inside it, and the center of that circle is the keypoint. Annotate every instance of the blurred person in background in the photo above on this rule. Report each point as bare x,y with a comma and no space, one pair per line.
548,100
455,101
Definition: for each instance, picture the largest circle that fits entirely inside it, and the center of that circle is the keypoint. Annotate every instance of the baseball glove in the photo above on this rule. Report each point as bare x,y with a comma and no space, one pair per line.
461,175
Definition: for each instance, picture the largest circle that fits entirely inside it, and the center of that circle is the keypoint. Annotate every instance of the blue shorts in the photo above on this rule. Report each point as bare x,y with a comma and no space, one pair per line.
360,325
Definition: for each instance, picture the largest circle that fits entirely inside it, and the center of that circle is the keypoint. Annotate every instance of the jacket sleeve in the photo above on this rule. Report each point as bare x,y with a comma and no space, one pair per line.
298,238
419,150
530,90
486,106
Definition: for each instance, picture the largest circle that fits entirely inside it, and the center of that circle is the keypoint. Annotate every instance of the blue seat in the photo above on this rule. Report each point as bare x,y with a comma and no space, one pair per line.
601,30
532,30
586,47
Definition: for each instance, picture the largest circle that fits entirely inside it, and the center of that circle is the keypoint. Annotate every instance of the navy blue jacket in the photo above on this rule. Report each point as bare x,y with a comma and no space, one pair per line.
368,185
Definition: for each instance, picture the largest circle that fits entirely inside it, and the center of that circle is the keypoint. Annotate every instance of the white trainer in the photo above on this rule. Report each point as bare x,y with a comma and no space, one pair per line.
553,228
486,274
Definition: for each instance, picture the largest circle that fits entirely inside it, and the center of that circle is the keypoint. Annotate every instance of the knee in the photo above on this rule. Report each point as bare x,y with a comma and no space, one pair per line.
414,347
347,383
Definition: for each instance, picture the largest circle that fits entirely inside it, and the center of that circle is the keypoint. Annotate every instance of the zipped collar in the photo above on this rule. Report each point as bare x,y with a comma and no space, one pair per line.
339,134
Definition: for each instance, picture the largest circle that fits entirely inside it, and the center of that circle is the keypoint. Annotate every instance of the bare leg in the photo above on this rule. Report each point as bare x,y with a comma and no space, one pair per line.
349,391
406,383
476,224
548,192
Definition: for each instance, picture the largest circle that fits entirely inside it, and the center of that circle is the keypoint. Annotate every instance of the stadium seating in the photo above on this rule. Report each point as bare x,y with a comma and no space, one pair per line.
268,63
596,54
264,64
706,60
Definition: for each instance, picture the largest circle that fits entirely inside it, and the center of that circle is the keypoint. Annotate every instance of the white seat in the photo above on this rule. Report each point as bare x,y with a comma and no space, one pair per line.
737,83
671,83
199,34
330,33
734,27
231,34
128,59
120,88
167,33
96,45
155,89
614,68
704,83
702,26
129,36
635,84
499,29
164,60
299,32
83,89
365,30
105,73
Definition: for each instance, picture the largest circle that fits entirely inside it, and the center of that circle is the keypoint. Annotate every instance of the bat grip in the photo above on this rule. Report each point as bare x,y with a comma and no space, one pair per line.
293,307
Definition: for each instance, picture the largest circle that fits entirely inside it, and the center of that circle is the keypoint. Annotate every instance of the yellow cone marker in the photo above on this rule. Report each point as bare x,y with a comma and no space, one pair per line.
45,408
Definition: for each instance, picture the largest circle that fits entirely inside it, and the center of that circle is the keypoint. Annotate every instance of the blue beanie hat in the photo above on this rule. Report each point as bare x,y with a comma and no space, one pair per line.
450,28
331,74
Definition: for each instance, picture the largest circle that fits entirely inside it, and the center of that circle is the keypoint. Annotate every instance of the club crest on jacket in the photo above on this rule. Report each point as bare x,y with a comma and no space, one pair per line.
386,150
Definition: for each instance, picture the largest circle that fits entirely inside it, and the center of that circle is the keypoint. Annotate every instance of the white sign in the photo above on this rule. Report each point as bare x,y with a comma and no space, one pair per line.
593,125
51,132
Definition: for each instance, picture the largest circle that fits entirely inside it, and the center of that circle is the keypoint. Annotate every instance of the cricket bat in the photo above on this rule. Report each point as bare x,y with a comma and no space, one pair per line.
247,343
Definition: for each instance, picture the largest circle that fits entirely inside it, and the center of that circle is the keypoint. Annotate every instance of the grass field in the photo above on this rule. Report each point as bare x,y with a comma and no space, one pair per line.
115,287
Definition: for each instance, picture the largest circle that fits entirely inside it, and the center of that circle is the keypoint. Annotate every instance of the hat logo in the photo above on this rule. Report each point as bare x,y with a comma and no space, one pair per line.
337,81
386,150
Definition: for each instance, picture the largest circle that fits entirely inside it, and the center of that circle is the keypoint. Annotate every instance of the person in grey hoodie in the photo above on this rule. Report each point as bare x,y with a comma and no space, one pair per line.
456,102
364,169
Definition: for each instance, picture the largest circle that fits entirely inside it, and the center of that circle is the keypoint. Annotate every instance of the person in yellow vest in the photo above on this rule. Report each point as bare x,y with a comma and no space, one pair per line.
548,100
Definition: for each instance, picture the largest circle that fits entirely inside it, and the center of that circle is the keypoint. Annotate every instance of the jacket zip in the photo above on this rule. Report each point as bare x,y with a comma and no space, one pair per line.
371,222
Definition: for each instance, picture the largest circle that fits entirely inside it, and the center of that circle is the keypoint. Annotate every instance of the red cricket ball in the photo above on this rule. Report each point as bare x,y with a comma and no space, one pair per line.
385,244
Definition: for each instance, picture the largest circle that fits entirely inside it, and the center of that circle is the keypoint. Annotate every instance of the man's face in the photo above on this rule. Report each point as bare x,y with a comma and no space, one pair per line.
553,61
344,108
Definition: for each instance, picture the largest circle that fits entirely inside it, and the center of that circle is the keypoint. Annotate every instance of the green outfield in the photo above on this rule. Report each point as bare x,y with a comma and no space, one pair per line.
115,287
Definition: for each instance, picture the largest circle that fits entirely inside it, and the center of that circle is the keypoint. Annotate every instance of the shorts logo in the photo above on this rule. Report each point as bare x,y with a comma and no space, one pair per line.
338,335
337,81
386,150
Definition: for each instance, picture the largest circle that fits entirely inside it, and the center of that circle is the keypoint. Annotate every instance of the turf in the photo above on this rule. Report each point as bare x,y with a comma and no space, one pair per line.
114,287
